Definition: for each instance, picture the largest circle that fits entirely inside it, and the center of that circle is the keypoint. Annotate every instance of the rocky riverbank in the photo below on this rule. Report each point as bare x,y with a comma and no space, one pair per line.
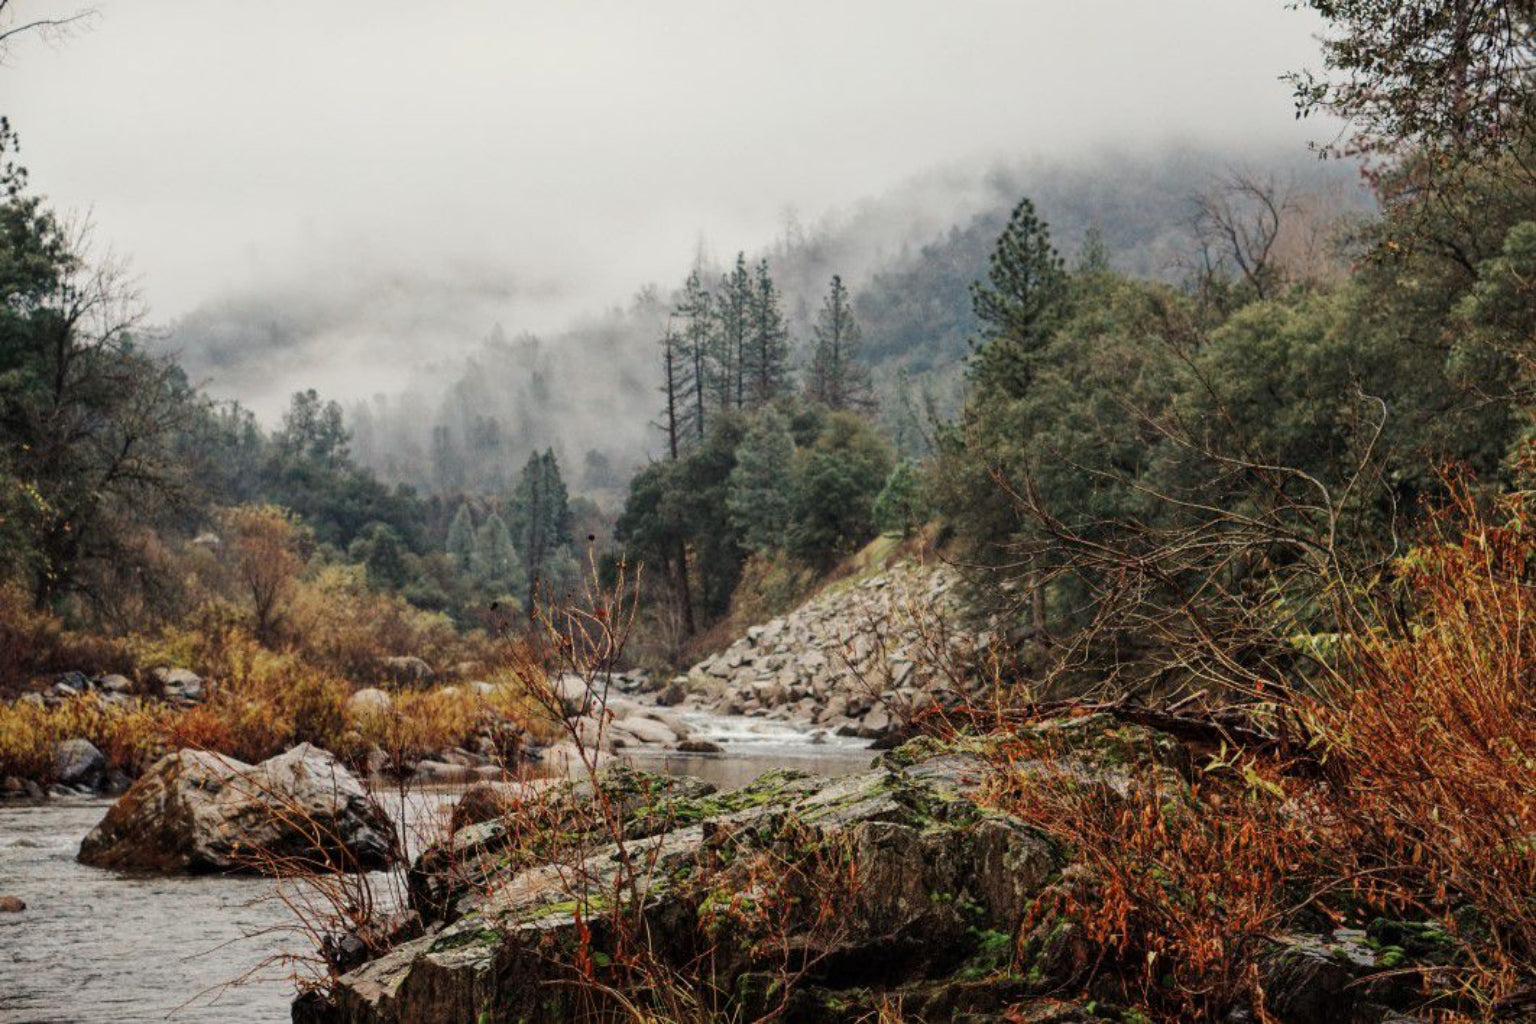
817,900
856,660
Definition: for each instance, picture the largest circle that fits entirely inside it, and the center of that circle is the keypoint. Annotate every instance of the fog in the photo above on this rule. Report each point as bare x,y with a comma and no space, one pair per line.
393,179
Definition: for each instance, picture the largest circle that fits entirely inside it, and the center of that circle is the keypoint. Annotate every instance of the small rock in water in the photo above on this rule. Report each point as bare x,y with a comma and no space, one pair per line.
11,905
700,747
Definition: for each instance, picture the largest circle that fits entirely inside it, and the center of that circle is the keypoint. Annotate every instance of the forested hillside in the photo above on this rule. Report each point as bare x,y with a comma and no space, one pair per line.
907,260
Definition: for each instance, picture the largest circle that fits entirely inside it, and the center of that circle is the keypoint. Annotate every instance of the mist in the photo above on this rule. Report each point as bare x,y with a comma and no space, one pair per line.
411,209
327,154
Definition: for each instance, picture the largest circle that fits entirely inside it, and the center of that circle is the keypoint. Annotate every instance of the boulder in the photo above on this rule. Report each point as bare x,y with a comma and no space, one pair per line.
574,697
875,723
643,731
483,801
674,693
77,762
71,684
700,747
180,685
368,703
405,671
917,884
432,772
463,758
196,812
1320,980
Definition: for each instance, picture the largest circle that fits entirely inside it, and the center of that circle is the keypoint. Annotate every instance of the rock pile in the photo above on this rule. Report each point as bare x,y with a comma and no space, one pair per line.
854,660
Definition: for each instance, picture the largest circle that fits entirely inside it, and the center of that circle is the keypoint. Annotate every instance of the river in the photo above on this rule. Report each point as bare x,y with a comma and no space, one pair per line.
95,947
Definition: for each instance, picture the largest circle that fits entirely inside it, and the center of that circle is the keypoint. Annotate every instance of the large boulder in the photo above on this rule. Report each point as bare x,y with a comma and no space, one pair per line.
813,900
894,877
196,811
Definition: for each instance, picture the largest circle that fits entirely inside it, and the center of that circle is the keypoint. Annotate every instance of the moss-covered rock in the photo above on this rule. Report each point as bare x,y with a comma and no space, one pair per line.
890,878
816,900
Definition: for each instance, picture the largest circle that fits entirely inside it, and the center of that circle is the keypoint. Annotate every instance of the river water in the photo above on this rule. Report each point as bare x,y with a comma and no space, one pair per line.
96,947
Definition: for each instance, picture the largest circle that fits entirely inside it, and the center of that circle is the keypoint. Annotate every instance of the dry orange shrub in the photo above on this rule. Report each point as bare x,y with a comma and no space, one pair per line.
1429,731
1178,884
1418,804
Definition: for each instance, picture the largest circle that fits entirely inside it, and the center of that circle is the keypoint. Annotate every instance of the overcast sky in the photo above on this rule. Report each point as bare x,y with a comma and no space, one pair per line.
572,150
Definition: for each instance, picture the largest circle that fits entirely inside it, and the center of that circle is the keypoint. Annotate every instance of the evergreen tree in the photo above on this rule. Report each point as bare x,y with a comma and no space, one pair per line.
1020,303
733,314
901,506
655,530
543,513
696,345
447,461
382,551
1093,257
837,378
834,489
673,367
314,431
758,497
461,537
768,349
496,562
486,452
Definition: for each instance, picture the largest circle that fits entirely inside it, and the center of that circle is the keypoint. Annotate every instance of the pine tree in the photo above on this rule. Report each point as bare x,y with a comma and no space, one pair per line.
543,514
759,491
768,350
672,369
496,562
733,313
837,378
1093,257
461,537
696,345
900,507
1020,302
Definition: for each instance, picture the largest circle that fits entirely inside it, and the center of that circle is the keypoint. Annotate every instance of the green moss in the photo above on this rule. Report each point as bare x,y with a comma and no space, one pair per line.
466,938
767,788
1405,941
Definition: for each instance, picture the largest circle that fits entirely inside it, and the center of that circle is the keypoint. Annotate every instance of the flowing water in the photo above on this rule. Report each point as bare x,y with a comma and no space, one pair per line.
96,947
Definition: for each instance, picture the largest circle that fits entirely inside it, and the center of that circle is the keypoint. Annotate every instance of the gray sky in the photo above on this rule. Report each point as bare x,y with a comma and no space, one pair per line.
550,156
